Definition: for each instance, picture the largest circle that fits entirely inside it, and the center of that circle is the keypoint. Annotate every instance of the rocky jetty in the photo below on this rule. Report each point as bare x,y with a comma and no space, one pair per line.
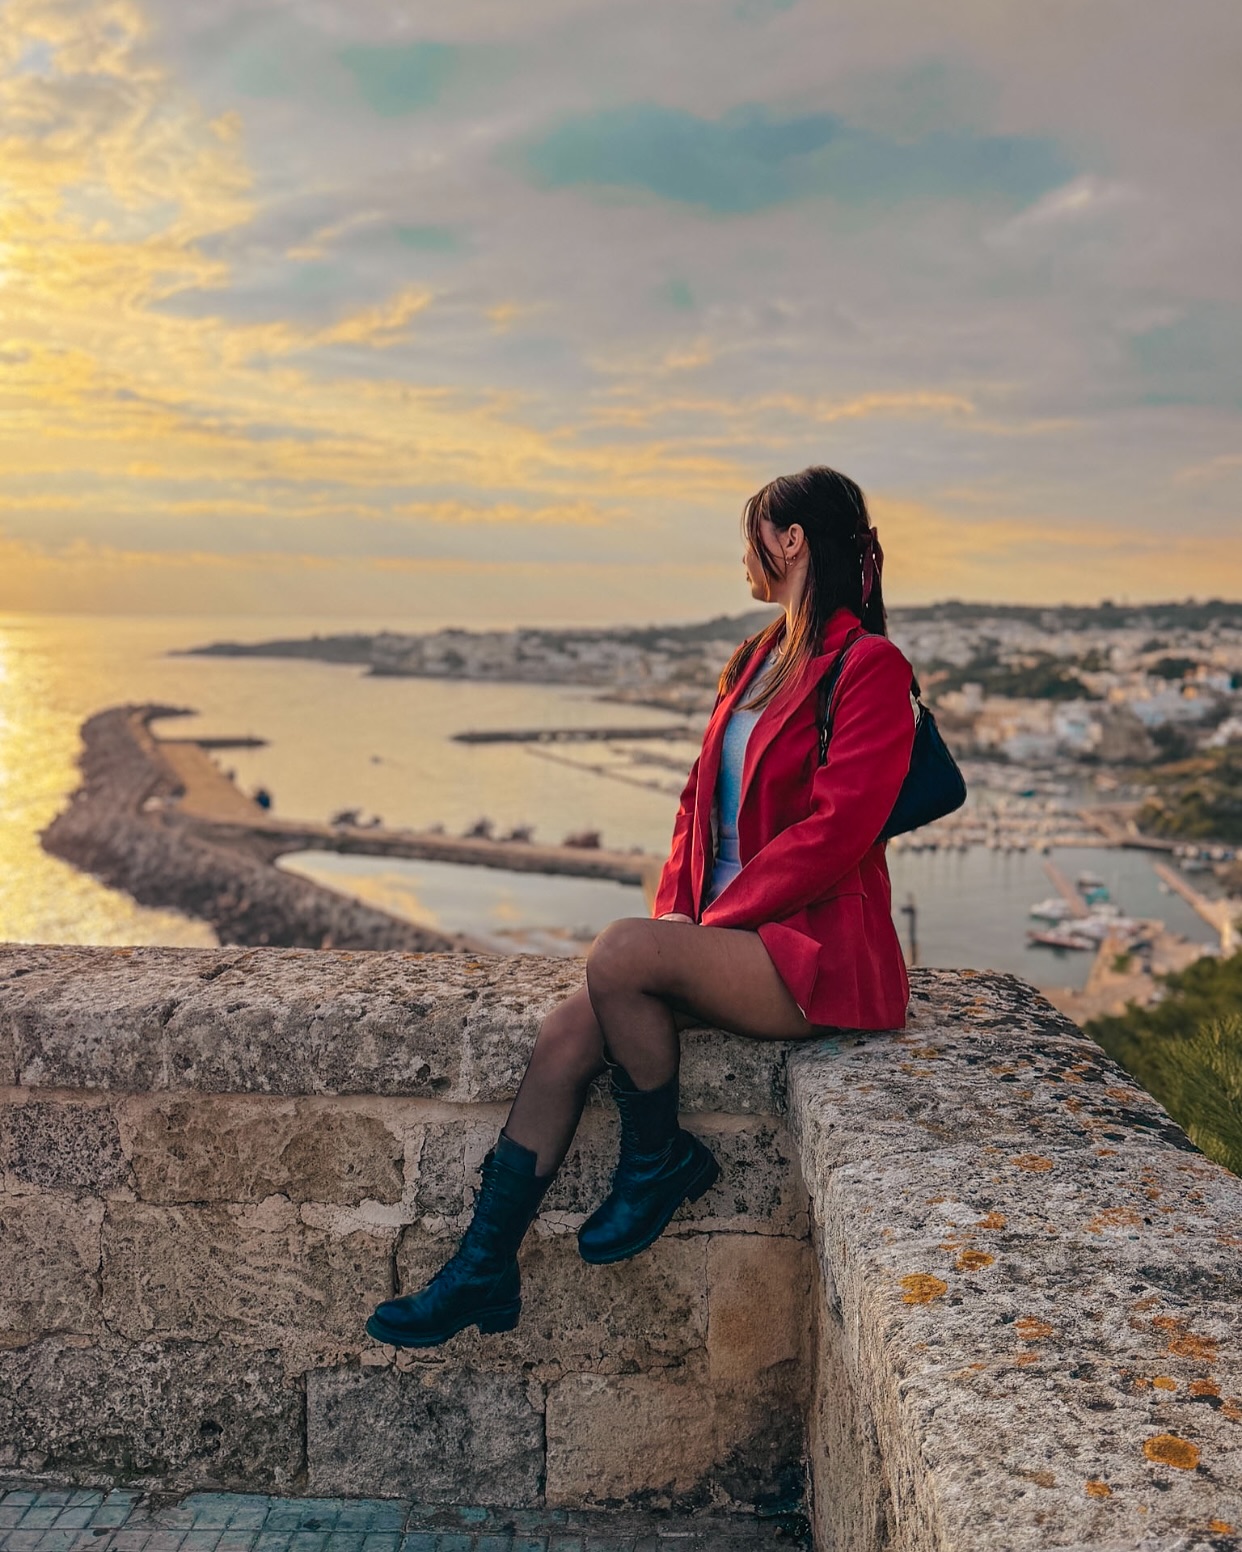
120,826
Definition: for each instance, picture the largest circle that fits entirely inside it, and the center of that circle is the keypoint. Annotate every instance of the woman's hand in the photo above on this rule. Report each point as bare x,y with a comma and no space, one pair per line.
677,916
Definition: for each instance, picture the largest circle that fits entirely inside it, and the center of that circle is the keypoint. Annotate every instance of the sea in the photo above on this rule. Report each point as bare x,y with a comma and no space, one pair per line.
336,738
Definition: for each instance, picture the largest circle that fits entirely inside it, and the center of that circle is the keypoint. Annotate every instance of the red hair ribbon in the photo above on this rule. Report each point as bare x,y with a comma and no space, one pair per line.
872,562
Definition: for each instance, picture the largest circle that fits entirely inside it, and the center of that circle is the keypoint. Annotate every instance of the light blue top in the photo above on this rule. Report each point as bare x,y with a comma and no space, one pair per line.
737,731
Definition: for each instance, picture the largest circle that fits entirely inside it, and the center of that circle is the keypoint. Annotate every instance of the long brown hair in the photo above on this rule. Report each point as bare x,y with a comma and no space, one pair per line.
832,512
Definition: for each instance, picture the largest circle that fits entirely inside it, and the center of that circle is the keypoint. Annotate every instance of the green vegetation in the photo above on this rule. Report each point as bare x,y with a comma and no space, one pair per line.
1038,676
1199,799
1173,667
1187,1052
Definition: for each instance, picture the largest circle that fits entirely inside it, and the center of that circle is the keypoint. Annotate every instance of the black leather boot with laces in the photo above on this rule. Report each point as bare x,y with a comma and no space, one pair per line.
478,1285
660,1167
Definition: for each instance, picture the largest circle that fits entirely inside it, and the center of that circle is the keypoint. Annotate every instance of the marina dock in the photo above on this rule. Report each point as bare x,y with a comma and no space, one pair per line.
1220,914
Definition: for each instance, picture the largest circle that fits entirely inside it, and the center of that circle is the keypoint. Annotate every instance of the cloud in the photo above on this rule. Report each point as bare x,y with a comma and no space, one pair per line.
398,79
752,158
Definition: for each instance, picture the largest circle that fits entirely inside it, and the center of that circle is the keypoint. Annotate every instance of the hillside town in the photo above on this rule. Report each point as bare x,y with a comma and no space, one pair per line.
1104,686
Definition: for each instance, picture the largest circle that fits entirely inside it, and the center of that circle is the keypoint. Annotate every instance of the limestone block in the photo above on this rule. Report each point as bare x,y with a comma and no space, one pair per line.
449,1156
438,1435
759,1191
759,1288
49,1262
62,1145
731,1074
614,1437
647,1312
1047,1340
315,1021
199,1148
873,1097
175,1415
256,1275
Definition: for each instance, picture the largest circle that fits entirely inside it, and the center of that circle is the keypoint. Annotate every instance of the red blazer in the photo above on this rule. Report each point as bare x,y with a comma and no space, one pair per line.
814,882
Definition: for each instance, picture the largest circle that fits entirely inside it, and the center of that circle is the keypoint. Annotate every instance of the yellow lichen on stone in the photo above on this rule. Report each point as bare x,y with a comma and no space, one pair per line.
1032,1161
1166,1449
1115,1218
1097,1489
1163,1382
974,1260
994,1220
922,1288
1031,1329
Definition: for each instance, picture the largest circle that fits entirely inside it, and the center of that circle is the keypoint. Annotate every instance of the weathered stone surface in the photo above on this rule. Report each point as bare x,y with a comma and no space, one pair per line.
759,1290
989,1067
647,1312
1039,1325
194,1148
49,1262
182,1414
257,1275
612,1438
439,1435
62,1145
315,1021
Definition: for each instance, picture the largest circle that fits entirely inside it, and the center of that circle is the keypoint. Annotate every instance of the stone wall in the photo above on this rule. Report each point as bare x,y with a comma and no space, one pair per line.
1002,1312
216,1162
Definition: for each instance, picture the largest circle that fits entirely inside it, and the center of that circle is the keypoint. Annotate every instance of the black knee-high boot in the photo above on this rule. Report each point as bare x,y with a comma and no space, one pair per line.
478,1285
660,1167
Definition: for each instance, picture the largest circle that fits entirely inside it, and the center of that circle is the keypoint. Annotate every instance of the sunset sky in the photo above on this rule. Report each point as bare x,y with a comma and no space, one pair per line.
498,312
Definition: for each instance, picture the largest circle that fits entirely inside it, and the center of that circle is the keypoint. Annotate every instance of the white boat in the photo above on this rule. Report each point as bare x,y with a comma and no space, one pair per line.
1061,937
1054,909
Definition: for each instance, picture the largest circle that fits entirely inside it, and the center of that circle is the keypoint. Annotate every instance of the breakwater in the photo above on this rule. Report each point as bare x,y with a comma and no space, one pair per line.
122,825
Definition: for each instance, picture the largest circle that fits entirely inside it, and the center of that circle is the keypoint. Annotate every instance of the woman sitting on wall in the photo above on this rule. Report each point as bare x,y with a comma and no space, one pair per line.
771,918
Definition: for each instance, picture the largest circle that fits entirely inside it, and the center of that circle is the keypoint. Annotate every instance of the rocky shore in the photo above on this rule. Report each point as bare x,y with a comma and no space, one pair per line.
121,826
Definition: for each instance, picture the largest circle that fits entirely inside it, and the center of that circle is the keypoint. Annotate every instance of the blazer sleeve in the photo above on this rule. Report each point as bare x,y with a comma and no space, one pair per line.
673,892
852,795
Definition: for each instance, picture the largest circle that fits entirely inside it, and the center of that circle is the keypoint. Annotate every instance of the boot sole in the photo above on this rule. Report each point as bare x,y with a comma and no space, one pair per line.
703,1179
488,1322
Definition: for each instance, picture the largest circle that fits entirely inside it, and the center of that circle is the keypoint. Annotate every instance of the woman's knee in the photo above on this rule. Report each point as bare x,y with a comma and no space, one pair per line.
618,953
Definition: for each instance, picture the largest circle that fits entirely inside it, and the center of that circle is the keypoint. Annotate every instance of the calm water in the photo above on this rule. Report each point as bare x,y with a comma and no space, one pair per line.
338,739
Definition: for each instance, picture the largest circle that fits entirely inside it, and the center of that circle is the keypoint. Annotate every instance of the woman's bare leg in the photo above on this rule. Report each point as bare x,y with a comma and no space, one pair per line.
642,973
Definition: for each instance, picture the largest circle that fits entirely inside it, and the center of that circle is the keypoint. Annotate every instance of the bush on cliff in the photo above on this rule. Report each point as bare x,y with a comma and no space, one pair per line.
1187,1051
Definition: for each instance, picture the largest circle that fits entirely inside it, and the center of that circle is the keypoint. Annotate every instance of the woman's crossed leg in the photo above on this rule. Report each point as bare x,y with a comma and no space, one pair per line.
646,981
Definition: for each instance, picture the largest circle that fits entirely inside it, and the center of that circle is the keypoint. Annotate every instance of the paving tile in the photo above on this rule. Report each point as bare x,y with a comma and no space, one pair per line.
40,1516
10,1514
370,1514
21,1540
489,1543
236,1539
454,1541
131,1539
78,1516
55,1495
59,1540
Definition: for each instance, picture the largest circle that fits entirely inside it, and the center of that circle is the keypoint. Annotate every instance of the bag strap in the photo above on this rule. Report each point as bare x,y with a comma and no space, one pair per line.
829,683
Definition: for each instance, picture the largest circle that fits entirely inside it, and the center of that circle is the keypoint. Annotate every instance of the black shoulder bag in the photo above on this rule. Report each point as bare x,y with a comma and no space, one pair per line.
933,786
